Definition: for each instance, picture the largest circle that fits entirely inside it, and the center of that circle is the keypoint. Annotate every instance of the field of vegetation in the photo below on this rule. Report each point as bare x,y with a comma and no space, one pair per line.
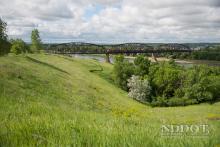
49,100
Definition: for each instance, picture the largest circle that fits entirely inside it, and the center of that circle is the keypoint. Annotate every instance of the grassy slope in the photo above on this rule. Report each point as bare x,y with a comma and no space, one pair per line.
51,100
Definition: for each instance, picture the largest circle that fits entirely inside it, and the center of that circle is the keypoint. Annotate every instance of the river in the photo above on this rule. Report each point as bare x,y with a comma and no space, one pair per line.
186,63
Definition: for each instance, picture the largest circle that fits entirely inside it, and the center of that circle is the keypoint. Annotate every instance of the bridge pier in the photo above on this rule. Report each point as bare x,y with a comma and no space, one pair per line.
107,58
153,57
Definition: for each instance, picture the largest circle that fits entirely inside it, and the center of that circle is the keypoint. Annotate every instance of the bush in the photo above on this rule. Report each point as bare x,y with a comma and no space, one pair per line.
4,47
199,92
165,78
163,102
159,101
19,46
176,102
202,84
191,101
214,87
139,89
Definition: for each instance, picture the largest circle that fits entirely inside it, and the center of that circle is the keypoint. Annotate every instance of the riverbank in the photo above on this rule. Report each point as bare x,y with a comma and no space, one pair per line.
187,63
182,62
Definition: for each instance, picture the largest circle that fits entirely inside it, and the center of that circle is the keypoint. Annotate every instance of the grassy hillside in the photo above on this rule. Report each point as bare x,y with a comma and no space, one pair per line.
54,100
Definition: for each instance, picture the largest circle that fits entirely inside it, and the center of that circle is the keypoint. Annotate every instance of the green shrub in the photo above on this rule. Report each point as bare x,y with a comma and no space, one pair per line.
191,101
159,101
4,47
19,46
202,84
176,102
199,92
163,102
165,77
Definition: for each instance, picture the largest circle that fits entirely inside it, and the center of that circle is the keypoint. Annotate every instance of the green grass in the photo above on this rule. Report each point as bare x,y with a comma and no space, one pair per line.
49,100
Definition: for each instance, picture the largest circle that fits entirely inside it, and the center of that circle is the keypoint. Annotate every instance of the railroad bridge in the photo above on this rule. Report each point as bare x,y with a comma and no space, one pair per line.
163,48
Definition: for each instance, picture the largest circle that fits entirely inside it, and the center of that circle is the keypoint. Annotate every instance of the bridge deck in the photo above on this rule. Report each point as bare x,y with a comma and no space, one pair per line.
119,51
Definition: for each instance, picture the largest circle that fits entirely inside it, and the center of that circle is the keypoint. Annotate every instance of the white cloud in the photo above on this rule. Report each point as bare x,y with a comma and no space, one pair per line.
125,20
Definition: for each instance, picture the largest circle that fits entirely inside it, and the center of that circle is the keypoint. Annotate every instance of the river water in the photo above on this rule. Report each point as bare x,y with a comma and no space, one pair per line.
186,63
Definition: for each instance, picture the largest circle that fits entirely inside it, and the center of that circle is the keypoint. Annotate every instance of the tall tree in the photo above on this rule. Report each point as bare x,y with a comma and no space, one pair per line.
36,45
4,44
3,25
122,71
142,65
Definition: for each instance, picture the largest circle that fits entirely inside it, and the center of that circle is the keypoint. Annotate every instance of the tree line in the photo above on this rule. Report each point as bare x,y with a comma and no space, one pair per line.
208,53
166,83
18,46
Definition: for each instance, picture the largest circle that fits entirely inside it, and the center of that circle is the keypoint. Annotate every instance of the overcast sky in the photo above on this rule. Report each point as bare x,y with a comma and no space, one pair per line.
114,21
